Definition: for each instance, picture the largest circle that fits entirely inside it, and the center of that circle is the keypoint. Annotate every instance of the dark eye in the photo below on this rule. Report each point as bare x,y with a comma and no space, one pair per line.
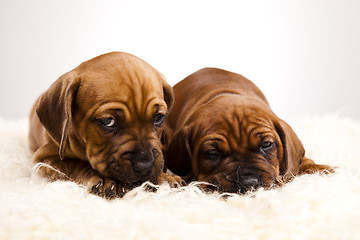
266,145
108,122
158,119
212,154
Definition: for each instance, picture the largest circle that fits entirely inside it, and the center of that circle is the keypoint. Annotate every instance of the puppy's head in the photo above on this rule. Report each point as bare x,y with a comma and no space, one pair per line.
236,148
110,111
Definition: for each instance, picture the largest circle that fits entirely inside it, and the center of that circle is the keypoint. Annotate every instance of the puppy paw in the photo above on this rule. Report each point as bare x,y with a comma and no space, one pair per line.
172,179
103,187
308,166
109,189
121,190
97,188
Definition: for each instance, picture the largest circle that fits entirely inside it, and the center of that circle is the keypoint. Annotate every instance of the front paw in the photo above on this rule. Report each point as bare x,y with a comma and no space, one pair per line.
308,166
172,179
106,187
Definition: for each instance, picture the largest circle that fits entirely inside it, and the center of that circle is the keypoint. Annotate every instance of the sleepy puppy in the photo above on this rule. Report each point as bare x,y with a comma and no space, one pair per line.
101,125
221,130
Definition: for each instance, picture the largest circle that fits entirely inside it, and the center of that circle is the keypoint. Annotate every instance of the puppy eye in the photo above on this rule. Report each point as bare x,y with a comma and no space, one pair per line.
108,122
158,119
212,154
266,145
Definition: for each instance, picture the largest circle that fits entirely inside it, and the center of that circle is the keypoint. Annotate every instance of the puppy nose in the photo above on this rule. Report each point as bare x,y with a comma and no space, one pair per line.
142,160
143,168
249,182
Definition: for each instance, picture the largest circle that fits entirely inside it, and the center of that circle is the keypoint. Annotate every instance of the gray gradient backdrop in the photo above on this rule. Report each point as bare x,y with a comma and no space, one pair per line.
303,54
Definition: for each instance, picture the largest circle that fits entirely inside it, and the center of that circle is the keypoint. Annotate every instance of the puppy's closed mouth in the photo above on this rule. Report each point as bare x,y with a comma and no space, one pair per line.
134,184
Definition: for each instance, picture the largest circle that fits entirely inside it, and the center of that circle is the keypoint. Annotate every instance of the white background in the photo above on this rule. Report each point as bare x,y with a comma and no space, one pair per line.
303,54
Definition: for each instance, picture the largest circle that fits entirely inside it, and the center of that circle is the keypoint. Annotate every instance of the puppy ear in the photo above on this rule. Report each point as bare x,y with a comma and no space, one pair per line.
55,107
293,150
169,96
178,154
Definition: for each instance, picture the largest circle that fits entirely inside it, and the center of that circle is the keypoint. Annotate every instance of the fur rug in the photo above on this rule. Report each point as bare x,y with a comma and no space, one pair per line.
309,207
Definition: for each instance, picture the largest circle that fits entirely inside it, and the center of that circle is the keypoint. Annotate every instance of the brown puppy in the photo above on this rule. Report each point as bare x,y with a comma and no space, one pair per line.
221,130
101,124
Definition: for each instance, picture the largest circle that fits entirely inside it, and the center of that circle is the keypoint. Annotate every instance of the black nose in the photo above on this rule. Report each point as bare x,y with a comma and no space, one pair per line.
143,168
249,182
142,160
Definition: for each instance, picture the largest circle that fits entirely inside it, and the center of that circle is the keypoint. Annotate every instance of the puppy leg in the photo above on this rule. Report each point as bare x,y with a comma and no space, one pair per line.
76,170
308,166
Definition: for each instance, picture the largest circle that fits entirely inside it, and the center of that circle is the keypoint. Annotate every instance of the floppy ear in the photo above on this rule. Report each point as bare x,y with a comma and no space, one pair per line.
178,154
168,95
293,150
55,107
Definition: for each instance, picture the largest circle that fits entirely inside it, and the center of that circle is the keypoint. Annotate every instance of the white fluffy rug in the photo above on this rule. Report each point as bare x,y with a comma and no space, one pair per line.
310,207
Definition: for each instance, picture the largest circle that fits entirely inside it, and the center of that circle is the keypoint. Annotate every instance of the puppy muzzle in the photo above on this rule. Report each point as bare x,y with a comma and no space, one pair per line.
137,164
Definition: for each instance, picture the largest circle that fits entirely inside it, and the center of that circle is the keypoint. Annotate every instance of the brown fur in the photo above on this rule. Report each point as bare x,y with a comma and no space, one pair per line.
66,131
218,132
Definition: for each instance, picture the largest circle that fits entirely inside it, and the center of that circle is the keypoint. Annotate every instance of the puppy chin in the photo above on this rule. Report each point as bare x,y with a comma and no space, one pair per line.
225,185
124,172
230,182
220,185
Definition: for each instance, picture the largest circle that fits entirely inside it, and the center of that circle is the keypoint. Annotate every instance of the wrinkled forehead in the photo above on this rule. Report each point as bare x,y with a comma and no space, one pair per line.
131,82
237,125
122,86
246,121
